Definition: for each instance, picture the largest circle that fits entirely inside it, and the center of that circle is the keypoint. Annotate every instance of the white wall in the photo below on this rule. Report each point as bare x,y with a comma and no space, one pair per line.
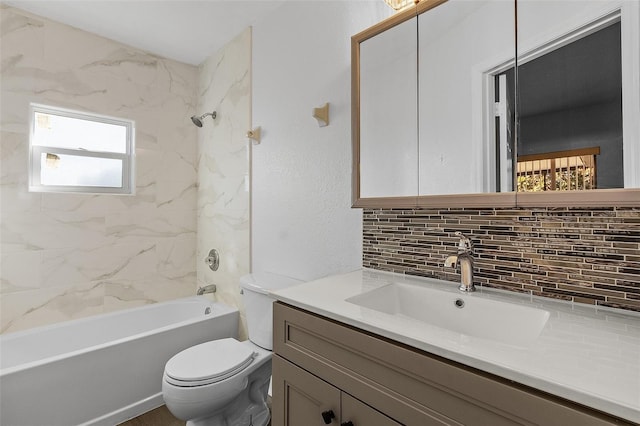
302,223
66,256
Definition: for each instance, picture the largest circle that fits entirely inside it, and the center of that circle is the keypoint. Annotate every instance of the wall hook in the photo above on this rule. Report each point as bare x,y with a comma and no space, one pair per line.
322,115
254,135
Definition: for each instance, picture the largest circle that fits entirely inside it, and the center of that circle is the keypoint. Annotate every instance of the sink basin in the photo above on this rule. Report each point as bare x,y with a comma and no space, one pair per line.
473,314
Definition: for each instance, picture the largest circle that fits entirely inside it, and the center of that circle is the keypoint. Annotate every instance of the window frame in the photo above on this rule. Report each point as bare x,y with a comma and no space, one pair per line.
36,151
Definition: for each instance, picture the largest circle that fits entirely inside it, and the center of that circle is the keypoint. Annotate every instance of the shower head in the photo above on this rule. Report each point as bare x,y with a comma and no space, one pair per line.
198,120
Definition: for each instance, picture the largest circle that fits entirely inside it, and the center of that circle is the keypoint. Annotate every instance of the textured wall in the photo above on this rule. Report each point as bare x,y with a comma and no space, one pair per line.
302,224
223,168
583,255
66,256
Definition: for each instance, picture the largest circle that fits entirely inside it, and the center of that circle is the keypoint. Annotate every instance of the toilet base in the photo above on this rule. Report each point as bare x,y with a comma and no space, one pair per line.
248,409
254,416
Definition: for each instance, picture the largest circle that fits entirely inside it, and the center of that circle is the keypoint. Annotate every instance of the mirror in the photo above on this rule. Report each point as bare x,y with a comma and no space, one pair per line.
388,112
570,128
464,46
470,150
578,102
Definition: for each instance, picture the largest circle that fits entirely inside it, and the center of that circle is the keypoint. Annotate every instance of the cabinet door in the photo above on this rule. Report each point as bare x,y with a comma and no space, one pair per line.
360,414
301,399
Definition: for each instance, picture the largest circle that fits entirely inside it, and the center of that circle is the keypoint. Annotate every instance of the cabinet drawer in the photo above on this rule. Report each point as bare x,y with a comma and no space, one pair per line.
412,386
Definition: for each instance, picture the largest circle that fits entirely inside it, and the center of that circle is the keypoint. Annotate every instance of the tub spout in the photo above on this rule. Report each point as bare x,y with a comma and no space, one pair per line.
206,289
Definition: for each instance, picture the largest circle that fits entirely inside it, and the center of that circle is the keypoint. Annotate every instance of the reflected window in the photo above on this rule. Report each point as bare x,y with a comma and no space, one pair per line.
72,151
570,113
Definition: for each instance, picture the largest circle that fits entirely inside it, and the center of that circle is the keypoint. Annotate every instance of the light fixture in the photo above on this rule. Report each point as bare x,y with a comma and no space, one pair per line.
399,4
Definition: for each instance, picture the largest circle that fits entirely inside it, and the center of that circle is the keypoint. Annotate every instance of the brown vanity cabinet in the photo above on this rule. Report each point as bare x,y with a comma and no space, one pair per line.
321,366
304,399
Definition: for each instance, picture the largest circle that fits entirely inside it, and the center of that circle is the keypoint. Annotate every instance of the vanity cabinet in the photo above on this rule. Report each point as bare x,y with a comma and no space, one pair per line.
323,365
309,400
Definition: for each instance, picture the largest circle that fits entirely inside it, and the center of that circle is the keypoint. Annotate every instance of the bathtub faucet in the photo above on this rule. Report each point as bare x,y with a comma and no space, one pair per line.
206,289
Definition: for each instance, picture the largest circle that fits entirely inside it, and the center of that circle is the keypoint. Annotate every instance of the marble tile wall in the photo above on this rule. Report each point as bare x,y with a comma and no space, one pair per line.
65,256
223,169
582,255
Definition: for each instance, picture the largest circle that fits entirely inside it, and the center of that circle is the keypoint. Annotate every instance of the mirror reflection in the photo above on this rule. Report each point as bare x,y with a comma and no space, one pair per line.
567,120
388,114
465,98
570,96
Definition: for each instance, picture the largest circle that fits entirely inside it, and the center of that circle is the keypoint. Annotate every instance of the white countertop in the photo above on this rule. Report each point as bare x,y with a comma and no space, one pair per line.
585,354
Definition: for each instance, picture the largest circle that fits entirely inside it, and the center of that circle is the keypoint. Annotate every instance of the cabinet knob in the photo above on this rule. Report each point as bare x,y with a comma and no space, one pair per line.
328,417
349,423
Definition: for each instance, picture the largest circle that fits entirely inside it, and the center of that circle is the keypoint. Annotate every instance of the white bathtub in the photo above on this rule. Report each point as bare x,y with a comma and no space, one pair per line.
104,369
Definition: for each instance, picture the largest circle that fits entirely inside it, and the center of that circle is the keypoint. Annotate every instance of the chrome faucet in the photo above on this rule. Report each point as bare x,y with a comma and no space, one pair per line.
465,259
206,289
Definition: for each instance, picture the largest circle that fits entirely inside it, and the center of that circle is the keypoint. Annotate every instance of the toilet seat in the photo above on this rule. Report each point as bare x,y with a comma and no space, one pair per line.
208,363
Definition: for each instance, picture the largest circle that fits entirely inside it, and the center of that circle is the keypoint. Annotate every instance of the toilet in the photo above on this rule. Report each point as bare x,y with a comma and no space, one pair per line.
225,382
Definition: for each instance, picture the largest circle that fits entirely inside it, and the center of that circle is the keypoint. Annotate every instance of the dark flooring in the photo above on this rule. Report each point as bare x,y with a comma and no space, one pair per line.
161,416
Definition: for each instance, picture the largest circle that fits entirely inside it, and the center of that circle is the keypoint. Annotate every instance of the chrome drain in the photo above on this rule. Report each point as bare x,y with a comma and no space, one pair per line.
459,303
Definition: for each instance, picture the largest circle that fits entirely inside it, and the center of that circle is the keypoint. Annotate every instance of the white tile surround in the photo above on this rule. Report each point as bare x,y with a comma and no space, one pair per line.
223,169
68,256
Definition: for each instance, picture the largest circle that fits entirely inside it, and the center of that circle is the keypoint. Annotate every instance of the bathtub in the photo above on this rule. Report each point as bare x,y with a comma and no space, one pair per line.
105,369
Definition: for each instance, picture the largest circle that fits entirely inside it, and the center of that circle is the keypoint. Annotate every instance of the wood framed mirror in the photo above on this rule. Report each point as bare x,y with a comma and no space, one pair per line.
442,112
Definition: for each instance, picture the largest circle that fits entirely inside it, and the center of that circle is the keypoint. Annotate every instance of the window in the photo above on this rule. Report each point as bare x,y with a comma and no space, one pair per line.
72,151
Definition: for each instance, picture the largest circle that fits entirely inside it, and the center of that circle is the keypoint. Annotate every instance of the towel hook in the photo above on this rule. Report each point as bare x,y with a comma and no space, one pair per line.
322,115
254,135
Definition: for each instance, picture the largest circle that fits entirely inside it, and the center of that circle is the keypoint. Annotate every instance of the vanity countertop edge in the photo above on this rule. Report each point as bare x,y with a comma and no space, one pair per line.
586,354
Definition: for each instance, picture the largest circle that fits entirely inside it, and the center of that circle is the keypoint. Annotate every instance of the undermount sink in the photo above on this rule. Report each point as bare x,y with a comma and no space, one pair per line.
469,314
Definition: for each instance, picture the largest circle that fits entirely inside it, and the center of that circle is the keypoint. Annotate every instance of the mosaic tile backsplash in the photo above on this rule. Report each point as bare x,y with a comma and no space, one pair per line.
582,255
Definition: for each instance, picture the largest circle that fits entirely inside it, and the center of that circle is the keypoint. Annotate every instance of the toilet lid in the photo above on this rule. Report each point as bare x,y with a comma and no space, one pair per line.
208,363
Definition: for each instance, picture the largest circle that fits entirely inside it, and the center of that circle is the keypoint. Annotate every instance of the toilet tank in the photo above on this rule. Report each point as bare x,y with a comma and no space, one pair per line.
259,304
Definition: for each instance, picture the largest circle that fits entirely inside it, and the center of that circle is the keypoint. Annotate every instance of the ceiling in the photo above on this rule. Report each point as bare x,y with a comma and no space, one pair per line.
184,30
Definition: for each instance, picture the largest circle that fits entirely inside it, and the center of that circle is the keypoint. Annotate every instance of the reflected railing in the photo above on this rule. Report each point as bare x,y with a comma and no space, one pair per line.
573,170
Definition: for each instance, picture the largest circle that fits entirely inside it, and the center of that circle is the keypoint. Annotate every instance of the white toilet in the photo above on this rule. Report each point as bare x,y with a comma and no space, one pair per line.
225,382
